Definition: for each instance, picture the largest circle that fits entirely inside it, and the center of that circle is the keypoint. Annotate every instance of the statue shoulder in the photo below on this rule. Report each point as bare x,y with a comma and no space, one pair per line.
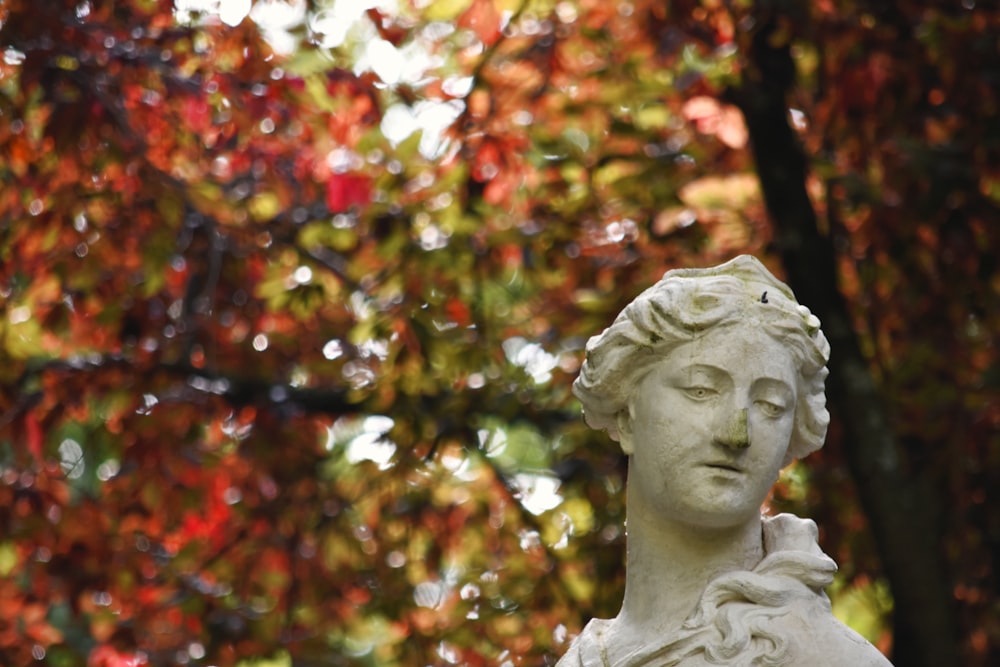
586,651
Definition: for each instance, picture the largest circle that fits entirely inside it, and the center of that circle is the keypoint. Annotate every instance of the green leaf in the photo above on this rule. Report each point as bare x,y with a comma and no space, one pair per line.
8,558
446,10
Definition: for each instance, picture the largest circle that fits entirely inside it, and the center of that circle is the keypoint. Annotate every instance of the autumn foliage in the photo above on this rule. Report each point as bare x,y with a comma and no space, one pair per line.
290,304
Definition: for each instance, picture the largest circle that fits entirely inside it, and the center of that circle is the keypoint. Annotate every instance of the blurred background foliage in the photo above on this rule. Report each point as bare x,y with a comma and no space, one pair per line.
292,293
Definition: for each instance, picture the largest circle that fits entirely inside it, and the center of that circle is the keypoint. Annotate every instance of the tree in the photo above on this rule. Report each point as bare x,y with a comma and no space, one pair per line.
896,94
292,303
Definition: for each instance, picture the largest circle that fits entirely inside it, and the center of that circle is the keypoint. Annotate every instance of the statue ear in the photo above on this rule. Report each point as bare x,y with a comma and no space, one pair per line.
624,422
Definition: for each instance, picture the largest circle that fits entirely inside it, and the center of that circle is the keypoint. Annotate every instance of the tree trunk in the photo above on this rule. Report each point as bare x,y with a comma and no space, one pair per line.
901,510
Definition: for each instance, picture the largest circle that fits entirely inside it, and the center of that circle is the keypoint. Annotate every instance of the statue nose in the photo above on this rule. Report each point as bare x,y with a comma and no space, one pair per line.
735,432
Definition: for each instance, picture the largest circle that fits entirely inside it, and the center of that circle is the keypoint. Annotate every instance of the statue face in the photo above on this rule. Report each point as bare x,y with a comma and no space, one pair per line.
710,425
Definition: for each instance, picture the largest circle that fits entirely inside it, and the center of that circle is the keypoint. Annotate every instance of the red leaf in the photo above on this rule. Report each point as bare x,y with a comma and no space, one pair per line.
346,190
487,162
458,312
107,656
196,113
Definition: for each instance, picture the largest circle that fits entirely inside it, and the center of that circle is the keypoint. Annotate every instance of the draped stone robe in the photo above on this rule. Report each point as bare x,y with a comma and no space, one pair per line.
774,615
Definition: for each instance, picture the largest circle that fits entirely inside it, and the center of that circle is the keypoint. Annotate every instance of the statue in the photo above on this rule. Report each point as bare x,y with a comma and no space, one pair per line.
712,381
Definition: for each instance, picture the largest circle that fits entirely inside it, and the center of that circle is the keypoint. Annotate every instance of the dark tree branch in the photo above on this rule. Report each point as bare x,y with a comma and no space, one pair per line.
241,390
901,508
235,389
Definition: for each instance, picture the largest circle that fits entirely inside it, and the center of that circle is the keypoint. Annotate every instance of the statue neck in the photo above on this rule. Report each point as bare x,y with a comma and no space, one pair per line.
670,564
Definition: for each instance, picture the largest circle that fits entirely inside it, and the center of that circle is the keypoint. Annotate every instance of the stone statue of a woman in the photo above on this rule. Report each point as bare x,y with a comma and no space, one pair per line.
712,381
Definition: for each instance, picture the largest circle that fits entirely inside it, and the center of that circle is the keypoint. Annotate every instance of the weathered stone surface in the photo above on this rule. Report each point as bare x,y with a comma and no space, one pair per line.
712,381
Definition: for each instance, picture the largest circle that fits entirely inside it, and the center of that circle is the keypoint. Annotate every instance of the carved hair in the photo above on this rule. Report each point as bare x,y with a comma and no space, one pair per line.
684,305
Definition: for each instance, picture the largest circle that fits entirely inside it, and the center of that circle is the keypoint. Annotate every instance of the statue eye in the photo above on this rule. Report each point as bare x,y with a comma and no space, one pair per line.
700,393
771,409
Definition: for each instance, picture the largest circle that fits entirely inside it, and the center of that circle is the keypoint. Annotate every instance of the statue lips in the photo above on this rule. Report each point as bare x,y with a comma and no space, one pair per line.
730,466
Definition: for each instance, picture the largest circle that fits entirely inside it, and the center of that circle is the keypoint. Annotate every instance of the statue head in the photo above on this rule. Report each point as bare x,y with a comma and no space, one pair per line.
683,306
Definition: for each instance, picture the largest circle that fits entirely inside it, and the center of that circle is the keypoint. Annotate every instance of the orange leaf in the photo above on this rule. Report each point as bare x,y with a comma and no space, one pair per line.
722,120
483,19
33,434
